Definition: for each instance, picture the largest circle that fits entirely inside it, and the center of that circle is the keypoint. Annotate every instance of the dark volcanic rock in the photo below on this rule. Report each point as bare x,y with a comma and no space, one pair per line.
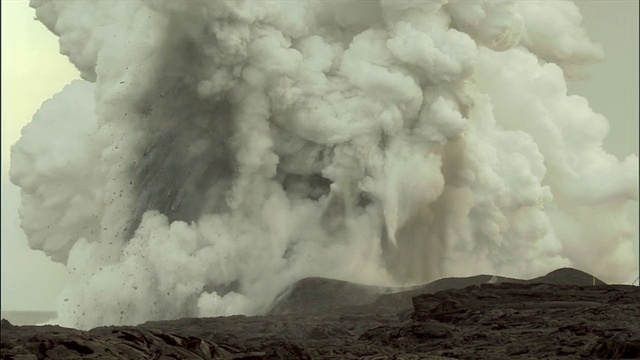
114,343
567,276
469,319
538,320
320,296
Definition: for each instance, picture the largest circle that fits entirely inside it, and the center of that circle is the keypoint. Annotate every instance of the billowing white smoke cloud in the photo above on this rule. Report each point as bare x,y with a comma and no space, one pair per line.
221,150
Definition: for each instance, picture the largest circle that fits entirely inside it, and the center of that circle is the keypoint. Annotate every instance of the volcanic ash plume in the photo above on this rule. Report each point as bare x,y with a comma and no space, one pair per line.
218,151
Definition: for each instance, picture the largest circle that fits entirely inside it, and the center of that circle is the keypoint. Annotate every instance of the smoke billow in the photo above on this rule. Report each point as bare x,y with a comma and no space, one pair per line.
220,150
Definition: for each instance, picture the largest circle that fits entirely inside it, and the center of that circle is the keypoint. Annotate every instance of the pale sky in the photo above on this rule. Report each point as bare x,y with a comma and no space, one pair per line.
33,70
613,87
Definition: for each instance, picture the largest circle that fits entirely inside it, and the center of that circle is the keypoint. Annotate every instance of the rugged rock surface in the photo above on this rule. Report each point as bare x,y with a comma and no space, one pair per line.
561,315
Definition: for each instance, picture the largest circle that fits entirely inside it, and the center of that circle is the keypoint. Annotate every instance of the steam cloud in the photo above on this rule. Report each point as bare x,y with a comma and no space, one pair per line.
219,151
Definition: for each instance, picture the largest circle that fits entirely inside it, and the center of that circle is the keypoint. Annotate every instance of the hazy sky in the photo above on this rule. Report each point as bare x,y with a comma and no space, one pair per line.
613,87
33,70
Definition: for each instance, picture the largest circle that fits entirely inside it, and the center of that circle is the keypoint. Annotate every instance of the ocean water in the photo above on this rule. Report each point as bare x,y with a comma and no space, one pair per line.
29,317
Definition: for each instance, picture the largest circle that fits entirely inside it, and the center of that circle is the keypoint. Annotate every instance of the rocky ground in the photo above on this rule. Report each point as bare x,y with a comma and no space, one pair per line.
559,316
